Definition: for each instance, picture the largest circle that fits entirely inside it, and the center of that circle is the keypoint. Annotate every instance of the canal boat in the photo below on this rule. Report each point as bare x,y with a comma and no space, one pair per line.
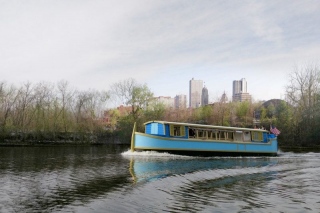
198,139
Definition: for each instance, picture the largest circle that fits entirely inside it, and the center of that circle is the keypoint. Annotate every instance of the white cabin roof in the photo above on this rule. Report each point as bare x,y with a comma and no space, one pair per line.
207,126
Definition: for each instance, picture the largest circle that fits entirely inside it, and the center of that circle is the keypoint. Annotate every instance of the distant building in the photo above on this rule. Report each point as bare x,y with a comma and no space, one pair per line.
241,97
110,116
123,111
239,86
180,101
195,91
204,96
239,92
167,101
224,98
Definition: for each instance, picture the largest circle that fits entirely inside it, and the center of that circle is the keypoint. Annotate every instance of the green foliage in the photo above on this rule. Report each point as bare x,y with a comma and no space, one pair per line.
271,111
141,94
197,115
242,113
206,113
263,114
114,117
155,111
125,126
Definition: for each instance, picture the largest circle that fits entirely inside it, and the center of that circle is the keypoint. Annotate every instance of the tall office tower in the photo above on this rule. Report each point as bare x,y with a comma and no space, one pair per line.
195,90
239,86
180,101
240,91
204,96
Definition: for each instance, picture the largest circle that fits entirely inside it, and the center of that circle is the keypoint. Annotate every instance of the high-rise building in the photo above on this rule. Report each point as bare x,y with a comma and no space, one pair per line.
195,91
180,101
239,86
239,92
204,96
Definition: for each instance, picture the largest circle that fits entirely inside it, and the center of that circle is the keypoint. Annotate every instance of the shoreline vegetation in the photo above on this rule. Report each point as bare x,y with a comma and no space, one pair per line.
70,139
47,113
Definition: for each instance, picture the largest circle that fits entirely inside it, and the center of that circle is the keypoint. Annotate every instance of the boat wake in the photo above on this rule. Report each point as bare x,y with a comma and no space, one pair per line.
152,154
166,155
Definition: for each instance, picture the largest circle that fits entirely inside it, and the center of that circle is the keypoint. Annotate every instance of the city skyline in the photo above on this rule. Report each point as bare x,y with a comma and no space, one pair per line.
239,88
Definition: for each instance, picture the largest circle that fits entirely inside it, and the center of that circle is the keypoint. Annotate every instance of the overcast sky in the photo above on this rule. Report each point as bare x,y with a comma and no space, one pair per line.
93,44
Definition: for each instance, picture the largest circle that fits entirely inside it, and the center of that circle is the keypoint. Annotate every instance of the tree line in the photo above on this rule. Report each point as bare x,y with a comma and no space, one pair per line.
56,112
49,112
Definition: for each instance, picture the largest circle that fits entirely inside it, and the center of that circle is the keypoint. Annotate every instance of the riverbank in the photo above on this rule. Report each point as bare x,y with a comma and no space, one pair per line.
64,143
100,141
65,139
34,143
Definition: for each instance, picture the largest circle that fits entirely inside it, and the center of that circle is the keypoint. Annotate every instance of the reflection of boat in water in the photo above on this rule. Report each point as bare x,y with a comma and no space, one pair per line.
149,169
196,139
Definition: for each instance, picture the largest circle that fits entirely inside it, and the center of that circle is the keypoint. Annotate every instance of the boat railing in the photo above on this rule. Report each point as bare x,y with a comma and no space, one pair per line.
226,135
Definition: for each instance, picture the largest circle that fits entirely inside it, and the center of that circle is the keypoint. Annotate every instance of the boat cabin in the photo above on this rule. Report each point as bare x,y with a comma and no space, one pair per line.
206,132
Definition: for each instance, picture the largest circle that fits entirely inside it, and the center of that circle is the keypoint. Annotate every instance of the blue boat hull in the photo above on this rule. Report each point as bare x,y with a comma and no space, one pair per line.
203,147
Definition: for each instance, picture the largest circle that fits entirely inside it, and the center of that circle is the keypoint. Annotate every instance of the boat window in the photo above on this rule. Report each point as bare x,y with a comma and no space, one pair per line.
192,133
223,135
202,134
257,136
246,136
238,136
215,134
176,130
230,136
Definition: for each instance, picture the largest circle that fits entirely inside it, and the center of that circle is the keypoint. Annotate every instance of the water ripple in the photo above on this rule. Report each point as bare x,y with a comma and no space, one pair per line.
108,180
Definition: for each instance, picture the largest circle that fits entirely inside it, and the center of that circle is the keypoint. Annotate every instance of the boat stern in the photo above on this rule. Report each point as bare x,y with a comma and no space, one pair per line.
133,137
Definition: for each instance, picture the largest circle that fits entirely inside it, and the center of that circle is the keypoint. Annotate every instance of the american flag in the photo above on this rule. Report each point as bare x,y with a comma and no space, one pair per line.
274,130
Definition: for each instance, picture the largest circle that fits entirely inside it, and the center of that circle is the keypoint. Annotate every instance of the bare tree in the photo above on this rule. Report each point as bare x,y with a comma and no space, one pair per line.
86,110
43,93
303,89
303,95
23,110
8,98
133,94
65,96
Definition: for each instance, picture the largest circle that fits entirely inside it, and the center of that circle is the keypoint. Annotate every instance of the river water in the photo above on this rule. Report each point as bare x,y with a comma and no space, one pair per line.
112,179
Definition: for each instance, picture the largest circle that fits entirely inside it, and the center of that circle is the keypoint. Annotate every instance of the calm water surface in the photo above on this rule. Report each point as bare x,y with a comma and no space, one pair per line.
112,179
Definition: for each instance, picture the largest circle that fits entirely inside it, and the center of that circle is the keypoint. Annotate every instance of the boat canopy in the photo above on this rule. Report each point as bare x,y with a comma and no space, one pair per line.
206,126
